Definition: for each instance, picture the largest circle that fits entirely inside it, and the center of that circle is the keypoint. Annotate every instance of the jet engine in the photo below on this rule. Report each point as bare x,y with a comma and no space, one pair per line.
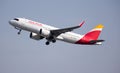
44,32
35,36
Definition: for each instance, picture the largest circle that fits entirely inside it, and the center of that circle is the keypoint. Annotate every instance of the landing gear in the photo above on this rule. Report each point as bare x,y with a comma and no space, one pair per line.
47,43
54,41
49,39
19,31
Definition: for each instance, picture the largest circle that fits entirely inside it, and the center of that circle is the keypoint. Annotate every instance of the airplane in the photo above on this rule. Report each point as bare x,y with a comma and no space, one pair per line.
39,31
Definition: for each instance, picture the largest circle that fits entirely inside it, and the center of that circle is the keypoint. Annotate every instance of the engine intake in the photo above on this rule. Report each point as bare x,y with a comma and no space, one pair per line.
35,36
44,32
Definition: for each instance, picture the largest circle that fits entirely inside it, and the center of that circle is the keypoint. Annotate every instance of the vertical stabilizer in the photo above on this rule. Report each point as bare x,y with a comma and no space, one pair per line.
94,33
92,36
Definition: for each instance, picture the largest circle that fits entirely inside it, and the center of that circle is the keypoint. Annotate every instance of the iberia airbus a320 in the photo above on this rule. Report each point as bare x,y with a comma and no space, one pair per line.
39,31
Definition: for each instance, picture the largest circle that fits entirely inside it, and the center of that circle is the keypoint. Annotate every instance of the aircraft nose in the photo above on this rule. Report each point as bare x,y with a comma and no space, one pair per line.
10,22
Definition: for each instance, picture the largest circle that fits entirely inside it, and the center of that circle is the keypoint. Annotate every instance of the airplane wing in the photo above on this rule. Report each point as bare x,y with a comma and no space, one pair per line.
60,31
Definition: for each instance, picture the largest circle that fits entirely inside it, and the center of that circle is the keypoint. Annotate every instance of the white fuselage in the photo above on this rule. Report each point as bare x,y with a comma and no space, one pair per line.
35,27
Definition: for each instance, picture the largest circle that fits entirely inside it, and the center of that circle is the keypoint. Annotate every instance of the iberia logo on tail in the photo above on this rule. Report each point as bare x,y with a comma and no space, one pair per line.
92,36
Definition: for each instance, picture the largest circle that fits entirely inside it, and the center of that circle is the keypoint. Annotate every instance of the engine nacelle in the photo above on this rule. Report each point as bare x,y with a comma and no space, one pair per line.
44,32
35,36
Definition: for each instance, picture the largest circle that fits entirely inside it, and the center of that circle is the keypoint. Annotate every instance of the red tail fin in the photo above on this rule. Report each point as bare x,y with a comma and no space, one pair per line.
91,36
94,33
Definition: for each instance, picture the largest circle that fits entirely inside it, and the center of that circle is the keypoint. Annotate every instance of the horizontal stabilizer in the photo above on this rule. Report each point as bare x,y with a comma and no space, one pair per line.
96,41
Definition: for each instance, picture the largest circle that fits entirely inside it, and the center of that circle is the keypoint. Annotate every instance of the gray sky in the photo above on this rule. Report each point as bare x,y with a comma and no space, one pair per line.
20,54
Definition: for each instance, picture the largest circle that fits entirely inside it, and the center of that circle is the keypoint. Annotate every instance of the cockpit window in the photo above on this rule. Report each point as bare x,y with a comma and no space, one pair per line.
16,19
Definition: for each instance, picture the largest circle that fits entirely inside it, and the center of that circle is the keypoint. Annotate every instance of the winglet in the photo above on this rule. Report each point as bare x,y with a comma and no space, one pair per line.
81,23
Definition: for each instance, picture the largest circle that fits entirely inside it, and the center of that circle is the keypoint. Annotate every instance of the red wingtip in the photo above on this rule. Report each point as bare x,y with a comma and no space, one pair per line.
82,23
